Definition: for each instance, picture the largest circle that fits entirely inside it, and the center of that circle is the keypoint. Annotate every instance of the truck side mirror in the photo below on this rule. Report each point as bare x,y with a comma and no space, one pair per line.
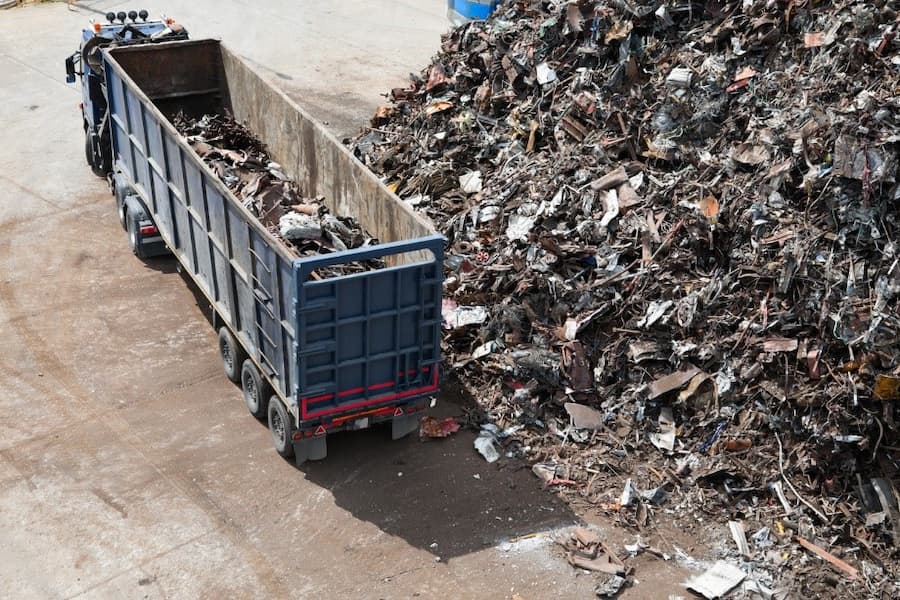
70,70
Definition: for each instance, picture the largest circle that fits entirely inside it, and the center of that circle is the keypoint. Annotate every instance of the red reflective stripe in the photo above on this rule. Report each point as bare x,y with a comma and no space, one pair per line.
305,414
381,386
365,413
351,391
356,390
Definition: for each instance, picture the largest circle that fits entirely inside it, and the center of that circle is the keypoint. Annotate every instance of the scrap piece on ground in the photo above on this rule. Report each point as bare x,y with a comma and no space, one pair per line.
850,571
584,417
430,427
486,444
716,581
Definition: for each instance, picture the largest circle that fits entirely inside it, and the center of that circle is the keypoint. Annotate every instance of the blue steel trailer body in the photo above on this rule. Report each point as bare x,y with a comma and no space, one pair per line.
339,352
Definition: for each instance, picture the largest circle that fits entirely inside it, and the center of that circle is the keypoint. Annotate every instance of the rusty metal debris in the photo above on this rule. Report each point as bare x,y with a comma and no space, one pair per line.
682,217
240,160
432,427
585,550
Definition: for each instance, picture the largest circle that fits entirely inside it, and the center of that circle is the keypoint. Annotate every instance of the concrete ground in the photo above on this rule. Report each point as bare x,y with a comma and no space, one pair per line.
129,467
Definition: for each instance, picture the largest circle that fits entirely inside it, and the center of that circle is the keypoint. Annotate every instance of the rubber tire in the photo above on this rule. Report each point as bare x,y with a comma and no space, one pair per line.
133,229
123,215
97,169
281,427
88,151
256,389
235,357
121,193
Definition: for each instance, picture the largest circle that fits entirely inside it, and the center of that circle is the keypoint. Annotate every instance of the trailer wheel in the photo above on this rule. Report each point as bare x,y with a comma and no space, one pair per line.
256,390
281,427
121,194
232,353
88,150
96,166
134,239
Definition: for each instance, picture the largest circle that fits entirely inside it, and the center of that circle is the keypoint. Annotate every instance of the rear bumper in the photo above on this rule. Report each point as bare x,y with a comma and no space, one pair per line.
155,247
310,441
362,419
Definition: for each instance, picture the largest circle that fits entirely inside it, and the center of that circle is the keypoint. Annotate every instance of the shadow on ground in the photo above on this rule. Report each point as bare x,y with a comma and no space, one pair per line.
435,491
166,264
427,492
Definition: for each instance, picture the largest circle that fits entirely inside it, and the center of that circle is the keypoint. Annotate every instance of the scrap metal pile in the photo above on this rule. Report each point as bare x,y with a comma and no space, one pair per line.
674,271
242,163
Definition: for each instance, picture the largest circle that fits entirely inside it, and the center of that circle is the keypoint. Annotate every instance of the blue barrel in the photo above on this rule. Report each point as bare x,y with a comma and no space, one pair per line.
461,11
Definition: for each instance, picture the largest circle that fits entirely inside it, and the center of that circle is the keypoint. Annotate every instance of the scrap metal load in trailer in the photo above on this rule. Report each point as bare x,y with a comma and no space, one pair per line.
316,347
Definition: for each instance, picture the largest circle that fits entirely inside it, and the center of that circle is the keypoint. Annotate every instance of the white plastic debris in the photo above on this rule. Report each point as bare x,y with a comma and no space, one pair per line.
470,182
716,581
679,77
484,350
487,213
486,444
610,207
662,13
628,493
461,316
665,438
848,439
739,537
277,171
655,311
545,74
519,227
417,199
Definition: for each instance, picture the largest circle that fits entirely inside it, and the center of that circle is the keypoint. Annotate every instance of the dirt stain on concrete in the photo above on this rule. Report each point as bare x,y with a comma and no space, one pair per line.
59,376
110,501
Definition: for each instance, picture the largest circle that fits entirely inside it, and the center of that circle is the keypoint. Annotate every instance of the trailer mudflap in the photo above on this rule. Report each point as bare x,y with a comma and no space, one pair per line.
314,448
402,426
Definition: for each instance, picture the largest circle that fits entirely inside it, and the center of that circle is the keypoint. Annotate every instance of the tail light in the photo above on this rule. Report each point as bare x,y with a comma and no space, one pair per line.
149,230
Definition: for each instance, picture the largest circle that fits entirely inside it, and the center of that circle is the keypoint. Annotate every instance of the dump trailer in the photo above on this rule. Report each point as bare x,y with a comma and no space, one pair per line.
313,353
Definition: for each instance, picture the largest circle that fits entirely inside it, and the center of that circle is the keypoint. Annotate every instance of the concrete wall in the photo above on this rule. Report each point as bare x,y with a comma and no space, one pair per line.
315,158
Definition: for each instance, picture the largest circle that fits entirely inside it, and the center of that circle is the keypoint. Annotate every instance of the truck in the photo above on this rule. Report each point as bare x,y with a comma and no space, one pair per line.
120,29
314,352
